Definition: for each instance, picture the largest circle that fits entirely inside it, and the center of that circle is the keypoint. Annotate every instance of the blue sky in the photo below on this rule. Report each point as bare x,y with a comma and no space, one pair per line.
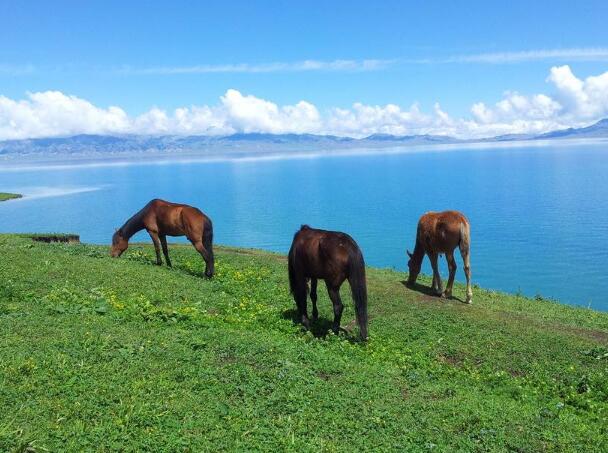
141,55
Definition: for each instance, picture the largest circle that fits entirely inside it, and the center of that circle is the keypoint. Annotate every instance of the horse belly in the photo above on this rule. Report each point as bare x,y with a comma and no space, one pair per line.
170,229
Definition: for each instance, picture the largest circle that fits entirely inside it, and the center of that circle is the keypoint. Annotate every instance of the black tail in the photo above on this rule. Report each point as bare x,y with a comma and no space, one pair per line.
291,269
294,282
358,286
208,244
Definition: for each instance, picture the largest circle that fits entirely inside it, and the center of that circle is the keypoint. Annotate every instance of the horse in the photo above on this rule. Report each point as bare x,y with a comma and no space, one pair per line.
161,219
333,257
442,232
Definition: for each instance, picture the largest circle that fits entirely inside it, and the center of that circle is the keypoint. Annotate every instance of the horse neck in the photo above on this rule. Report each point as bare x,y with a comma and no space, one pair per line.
132,226
418,254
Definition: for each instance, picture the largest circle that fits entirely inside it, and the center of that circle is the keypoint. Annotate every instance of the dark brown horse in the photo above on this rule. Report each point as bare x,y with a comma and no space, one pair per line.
442,232
333,257
161,219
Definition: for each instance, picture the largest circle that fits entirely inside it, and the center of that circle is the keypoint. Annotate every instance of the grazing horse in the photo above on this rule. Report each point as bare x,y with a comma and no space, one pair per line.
333,257
161,219
442,232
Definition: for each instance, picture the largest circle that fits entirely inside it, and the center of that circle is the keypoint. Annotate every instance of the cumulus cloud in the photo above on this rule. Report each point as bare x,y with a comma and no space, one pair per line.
52,113
573,102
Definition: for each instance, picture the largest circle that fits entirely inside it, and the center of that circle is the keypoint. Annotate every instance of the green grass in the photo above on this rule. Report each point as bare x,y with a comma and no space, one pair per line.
119,354
4,196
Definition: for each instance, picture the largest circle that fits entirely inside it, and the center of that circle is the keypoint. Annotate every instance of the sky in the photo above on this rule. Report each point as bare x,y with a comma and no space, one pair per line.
351,68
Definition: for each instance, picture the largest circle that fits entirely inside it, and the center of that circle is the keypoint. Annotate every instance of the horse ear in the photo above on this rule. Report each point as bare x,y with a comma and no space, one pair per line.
409,254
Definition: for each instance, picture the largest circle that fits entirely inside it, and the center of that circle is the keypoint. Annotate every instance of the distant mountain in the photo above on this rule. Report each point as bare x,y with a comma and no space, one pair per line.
86,145
597,130
83,145
410,139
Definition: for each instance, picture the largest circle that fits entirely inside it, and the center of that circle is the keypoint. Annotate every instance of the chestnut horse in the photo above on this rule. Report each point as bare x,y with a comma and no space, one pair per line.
333,257
161,219
442,232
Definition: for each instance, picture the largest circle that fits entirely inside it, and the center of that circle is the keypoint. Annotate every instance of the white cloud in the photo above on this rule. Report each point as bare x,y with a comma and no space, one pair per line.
52,113
579,54
343,65
584,99
252,114
298,66
573,102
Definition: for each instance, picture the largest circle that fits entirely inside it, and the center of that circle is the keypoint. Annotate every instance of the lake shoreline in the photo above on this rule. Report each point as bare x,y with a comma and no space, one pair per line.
6,196
25,162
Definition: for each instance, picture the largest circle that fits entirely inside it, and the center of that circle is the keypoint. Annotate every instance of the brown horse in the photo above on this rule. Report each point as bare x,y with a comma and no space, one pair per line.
161,219
333,257
442,232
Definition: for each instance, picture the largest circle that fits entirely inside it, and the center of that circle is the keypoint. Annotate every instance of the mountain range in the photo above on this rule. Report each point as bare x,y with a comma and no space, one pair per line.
252,143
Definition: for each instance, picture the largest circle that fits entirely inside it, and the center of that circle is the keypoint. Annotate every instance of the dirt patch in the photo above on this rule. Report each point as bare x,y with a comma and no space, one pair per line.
64,238
427,298
516,373
328,375
351,325
324,376
251,252
598,335
454,361
592,334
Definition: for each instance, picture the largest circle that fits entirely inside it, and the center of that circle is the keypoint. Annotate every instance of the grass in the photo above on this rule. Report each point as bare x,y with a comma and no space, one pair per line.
105,354
5,196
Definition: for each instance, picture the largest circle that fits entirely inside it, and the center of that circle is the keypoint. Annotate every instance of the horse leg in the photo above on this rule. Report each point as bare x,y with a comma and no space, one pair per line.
163,242
200,248
434,283
452,267
313,297
299,295
334,295
438,286
467,273
156,241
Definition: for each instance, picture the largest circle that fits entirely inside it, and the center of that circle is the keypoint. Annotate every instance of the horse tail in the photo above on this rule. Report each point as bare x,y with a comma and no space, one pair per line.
358,286
208,243
465,237
291,267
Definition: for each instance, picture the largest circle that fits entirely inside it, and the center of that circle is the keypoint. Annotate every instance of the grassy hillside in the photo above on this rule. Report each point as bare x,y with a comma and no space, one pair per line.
107,354
4,196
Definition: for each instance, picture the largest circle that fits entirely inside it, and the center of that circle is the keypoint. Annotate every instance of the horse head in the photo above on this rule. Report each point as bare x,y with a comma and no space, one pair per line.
119,244
414,266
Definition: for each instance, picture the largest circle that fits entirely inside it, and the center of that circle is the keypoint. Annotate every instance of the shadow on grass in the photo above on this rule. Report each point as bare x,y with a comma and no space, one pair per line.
322,326
190,271
428,291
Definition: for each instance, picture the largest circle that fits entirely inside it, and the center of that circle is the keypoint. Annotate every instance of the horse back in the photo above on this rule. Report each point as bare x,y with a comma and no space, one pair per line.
441,232
173,219
320,253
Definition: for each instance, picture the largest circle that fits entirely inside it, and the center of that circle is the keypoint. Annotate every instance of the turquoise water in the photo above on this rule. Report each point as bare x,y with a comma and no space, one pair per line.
538,215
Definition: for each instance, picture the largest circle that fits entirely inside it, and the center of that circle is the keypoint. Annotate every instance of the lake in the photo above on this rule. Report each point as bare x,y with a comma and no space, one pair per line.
539,222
